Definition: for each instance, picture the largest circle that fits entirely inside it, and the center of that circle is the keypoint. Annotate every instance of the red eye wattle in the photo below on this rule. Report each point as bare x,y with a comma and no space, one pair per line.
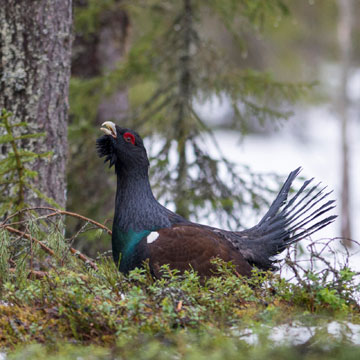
129,137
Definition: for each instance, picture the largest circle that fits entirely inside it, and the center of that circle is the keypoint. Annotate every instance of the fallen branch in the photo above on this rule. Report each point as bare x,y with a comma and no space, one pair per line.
33,273
31,238
47,249
56,212
84,258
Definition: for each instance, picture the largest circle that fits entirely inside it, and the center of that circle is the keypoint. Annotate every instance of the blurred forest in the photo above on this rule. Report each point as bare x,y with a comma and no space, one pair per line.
152,65
159,67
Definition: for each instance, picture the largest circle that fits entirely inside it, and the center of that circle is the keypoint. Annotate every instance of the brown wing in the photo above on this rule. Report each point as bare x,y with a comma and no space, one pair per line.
184,247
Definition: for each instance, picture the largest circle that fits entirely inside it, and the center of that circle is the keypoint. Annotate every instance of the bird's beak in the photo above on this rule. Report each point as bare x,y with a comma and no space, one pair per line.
109,129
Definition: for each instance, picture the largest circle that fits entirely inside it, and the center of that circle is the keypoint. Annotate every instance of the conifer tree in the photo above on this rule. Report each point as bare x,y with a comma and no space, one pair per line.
172,66
35,47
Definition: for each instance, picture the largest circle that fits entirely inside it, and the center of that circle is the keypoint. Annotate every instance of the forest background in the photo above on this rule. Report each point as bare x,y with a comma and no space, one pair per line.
264,65
165,68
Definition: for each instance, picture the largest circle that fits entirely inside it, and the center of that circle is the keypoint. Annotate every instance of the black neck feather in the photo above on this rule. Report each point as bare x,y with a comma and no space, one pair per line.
136,208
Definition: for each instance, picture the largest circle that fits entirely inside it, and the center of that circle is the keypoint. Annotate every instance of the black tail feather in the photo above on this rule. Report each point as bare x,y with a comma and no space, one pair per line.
286,222
311,230
315,214
282,196
305,208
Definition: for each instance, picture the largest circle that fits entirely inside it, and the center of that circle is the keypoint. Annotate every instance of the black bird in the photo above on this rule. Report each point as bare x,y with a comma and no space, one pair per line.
144,229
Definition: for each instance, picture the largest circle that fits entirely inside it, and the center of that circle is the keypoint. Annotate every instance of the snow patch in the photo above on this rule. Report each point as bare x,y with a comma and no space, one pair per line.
297,333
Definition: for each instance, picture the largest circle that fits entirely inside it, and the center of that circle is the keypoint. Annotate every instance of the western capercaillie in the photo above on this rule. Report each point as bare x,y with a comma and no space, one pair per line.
144,229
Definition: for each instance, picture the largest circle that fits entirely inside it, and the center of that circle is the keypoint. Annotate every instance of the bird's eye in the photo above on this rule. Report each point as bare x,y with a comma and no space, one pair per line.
129,137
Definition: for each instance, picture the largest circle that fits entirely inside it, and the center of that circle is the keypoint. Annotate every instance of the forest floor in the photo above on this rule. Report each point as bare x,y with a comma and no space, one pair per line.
60,307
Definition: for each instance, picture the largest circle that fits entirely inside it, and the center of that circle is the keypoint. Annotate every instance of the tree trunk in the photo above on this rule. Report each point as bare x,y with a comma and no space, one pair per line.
35,49
111,48
96,54
344,38
99,54
182,201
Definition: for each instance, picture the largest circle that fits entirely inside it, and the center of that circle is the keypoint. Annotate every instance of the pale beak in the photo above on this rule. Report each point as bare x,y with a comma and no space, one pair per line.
109,128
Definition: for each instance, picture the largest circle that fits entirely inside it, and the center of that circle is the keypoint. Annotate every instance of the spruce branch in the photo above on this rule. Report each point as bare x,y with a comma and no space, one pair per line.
22,234
55,212
15,168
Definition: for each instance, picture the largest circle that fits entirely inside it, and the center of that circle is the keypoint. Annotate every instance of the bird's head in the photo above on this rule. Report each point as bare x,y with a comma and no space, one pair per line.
122,147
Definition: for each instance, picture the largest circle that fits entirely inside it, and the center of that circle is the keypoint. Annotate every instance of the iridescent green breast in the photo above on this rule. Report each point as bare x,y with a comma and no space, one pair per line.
125,249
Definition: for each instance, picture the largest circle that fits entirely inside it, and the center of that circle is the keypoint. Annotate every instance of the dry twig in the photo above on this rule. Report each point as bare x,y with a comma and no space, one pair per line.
47,249
55,212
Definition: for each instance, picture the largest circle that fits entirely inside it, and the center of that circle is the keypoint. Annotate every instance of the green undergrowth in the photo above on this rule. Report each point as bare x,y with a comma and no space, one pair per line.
72,311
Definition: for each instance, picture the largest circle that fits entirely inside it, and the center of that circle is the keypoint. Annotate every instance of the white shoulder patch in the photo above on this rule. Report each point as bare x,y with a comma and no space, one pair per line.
152,237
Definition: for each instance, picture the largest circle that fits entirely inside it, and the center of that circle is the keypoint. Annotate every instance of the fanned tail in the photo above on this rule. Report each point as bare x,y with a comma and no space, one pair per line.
286,222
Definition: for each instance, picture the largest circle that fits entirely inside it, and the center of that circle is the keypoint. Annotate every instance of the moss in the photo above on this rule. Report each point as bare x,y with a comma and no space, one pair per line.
135,316
102,307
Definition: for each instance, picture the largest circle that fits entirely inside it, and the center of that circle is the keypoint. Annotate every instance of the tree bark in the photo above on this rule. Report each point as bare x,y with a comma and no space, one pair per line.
344,38
35,50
